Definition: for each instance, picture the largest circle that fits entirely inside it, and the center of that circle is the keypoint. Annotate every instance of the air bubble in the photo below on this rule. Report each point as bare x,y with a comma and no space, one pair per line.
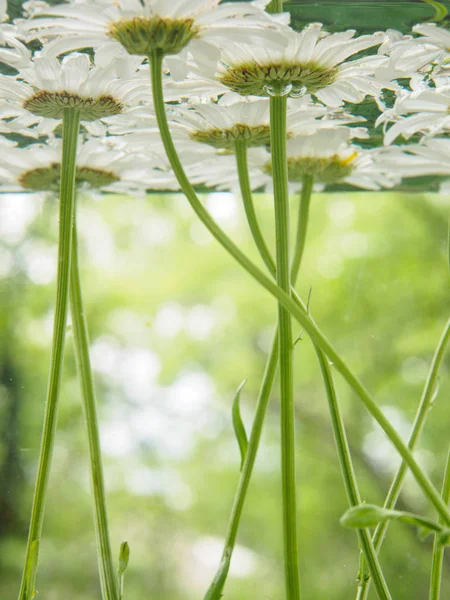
298,91
272,91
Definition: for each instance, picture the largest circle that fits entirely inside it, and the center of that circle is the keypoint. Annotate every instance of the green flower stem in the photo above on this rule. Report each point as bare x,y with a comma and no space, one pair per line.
438,549
276,6
293,304
348,474
240,149
215,590
109,584
303,221
416,431
278,107
71,124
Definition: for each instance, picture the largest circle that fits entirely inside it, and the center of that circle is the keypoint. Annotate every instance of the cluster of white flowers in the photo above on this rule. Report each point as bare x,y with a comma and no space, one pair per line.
222,62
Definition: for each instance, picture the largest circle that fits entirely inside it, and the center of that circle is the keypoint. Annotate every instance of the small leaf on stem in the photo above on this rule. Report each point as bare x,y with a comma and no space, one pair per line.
238,424
124,557
370,515
364,515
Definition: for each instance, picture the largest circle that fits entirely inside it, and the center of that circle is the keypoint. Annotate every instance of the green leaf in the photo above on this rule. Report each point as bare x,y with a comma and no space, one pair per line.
124,557
370,515
440,11
364,515
238,425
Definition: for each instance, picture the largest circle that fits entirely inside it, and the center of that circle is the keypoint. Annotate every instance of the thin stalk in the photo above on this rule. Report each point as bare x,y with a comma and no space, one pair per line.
303,221
240,149
416,431
293,304
215,590
278,108
109,584
348,474
71,125
438,549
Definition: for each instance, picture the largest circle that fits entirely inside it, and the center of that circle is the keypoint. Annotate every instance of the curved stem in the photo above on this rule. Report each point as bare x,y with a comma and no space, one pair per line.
240,149
71,124
438,549
292,304
303,221
278,108
81,339
416,431
348,474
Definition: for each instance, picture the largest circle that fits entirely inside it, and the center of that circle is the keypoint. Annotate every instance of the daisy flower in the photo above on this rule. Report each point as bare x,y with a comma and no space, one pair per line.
47,86
100,166
313,62
222,124
330,158
231,119
327,155
425,111
145,26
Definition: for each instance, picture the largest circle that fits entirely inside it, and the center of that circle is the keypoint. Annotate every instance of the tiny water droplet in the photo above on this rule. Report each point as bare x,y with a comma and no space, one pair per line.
298,91
272,91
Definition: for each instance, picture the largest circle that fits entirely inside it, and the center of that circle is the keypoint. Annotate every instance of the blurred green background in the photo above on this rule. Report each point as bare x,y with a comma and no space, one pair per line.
175,326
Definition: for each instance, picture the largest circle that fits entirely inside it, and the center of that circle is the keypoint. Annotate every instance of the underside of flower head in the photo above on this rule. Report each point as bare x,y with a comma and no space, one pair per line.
256,135
260,80
47,178
144,35
52,105
327,169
